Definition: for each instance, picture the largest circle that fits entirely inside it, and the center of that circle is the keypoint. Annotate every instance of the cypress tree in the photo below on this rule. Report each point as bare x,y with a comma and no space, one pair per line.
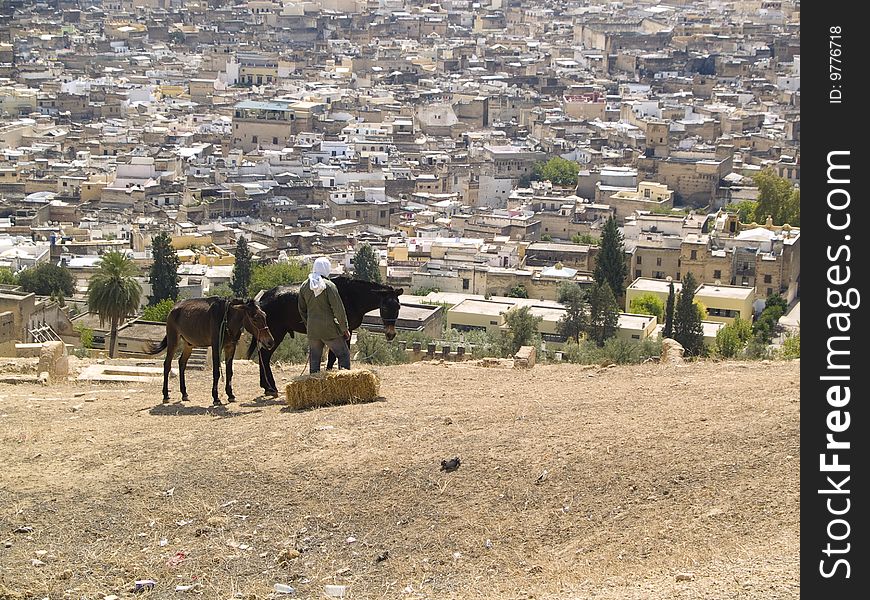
610,264
669,312
687,320
163,274
603,313
365,264
241,279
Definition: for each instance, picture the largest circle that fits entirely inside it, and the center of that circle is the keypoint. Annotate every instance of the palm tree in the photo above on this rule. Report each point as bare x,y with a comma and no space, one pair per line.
113,293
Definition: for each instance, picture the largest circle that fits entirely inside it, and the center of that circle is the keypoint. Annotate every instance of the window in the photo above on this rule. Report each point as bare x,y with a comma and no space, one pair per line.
769,291
275,141
768,279
637,273
465,284
253,139
383,214
694,255
659,262
639,259
717,274
635,336
357,213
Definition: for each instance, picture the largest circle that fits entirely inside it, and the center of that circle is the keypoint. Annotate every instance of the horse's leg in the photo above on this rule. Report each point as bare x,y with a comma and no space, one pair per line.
267,379
171,344
182,365
229,352
215,368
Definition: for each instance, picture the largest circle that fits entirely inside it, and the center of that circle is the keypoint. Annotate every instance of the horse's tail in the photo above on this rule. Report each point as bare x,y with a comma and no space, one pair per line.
158,348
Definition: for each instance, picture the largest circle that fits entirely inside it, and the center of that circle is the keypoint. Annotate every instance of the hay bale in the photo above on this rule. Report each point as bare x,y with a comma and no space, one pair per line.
328,388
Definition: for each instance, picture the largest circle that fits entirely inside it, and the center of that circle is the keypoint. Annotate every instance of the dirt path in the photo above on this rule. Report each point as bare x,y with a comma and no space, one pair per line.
575,482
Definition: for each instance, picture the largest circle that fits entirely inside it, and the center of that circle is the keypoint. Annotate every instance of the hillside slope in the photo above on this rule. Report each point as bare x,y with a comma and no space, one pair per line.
652,481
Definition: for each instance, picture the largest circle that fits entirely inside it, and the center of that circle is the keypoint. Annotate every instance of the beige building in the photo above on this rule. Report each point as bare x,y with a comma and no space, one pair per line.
726,302
489,315
648,196
634,327
271,124
646,285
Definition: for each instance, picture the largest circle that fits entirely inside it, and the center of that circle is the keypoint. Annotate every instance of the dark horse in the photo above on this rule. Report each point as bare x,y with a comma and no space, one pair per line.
281,305
215,322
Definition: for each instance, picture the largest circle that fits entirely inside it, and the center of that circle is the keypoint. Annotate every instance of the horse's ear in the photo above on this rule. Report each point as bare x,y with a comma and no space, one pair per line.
399,291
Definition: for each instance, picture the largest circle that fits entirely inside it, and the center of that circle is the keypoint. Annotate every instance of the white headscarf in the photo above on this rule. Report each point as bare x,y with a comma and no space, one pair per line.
317,278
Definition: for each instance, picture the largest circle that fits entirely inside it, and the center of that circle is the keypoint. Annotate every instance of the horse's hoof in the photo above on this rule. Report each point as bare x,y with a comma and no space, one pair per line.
271,393
216,403
166,400
185,399
231,398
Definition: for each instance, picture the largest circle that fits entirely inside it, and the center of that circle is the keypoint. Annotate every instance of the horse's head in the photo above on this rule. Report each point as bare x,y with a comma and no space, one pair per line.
254,320
389,307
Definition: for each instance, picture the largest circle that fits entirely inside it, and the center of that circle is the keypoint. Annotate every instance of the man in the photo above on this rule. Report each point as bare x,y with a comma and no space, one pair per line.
323,312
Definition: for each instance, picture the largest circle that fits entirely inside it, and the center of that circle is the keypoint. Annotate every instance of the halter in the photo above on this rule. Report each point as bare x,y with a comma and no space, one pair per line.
254,326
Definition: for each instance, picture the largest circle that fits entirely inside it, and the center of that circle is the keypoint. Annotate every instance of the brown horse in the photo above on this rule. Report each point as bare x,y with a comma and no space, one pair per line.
215,322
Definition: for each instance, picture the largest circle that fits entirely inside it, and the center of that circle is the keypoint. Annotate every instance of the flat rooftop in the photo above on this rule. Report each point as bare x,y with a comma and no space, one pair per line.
734,292
648,284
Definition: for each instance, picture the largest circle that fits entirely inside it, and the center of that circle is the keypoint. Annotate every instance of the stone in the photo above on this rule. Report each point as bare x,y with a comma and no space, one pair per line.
672,351
525,357
54,360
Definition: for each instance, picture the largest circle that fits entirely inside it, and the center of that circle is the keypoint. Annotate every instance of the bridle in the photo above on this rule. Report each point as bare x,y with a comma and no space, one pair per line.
259,329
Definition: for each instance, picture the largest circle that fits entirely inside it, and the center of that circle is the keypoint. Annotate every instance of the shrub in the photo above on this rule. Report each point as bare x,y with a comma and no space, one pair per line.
293,350
375,349
791,347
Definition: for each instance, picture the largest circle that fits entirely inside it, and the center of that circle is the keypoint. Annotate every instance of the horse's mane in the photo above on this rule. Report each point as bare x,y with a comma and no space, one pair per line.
369,285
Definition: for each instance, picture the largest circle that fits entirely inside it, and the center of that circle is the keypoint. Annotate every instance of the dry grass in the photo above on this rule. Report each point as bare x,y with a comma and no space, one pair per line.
574,483
332,388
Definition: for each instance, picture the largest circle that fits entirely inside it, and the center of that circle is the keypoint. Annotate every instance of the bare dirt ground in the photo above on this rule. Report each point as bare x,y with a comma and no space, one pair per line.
652,481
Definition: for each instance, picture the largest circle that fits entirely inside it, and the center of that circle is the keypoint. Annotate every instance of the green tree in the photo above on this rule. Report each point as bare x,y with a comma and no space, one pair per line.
7,277
523,326
603,313
573,322
777,198
546,238
768,321
745,210
687,319
518,291
163,274
241,279
265,277
610,264
669,312
366,264
586,238
114,293
732,338
558,171
46,279
648,304
158,312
